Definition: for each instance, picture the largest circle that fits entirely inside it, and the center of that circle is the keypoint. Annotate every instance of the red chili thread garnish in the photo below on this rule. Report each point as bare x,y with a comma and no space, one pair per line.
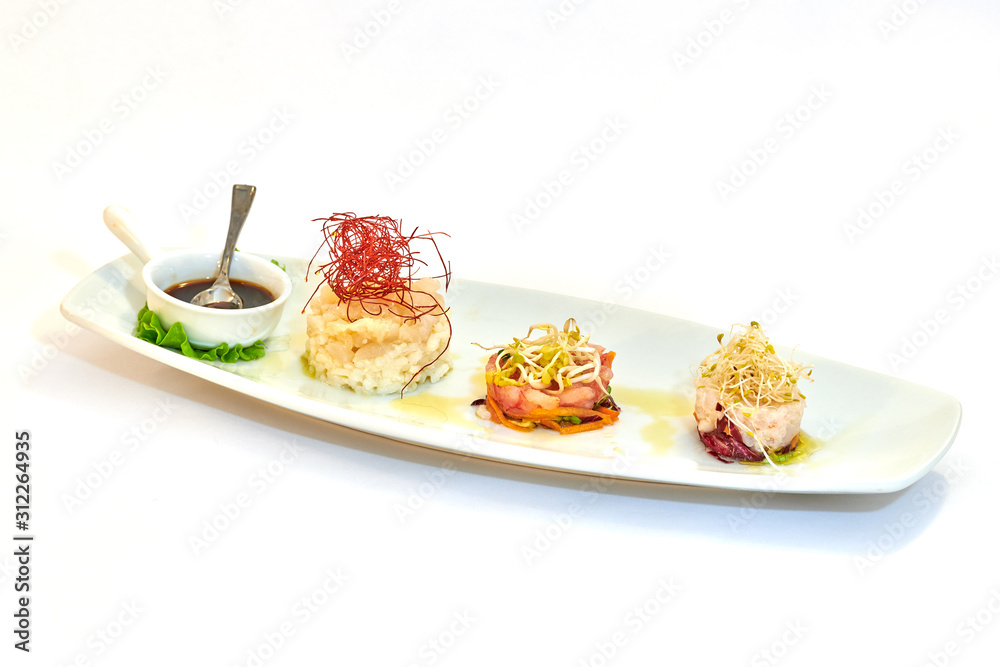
372,264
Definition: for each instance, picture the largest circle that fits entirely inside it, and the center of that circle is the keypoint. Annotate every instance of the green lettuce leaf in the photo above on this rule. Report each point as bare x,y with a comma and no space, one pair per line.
150,330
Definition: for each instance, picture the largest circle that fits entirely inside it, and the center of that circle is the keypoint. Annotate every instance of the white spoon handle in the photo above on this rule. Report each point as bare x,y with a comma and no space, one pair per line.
121,224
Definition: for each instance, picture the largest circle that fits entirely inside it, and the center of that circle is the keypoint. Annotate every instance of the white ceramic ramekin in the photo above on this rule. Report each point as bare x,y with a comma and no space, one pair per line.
208,327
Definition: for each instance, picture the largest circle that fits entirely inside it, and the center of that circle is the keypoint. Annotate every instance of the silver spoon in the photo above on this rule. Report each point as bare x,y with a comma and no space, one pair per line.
221,294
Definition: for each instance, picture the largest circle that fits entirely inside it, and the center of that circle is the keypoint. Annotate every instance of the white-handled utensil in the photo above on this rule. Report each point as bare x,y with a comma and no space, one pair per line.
121,224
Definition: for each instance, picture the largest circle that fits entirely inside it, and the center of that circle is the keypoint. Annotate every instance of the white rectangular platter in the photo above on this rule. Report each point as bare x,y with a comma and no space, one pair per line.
874,433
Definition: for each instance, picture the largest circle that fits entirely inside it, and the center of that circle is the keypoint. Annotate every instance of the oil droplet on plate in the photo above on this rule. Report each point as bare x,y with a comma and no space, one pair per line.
807,446
436,409
661,406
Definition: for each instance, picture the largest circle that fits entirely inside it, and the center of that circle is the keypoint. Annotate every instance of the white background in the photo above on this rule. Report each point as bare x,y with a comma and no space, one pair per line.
146,105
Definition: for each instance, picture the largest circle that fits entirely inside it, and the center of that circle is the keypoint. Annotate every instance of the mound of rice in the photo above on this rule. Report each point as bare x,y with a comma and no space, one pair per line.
376,354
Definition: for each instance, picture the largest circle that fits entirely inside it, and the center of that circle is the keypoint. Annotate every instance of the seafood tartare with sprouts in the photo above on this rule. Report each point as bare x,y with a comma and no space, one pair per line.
748,403
558,380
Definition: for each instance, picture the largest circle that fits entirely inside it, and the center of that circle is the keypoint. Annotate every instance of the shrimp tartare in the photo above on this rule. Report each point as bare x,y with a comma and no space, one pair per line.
558,380
748,404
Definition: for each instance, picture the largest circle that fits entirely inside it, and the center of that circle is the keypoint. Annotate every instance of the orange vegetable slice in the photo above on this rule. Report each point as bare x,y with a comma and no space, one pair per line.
501,418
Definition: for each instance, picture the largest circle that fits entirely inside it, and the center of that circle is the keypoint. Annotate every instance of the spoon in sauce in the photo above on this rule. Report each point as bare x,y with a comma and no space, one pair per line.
221,294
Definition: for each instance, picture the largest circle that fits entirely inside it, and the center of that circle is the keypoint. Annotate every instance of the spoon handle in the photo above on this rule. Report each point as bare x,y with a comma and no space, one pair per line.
120,222
242,201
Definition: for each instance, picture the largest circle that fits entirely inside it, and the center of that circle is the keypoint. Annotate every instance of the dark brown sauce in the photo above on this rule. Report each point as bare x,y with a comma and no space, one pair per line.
253,295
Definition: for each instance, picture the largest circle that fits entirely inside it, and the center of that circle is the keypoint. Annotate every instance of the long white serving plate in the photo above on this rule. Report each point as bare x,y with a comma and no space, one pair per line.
873,433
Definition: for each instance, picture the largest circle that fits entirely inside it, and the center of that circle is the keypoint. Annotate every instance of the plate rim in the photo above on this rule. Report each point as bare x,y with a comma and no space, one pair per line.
539,459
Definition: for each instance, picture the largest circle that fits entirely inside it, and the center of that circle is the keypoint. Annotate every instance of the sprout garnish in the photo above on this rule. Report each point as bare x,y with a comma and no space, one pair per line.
749,374
554,360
